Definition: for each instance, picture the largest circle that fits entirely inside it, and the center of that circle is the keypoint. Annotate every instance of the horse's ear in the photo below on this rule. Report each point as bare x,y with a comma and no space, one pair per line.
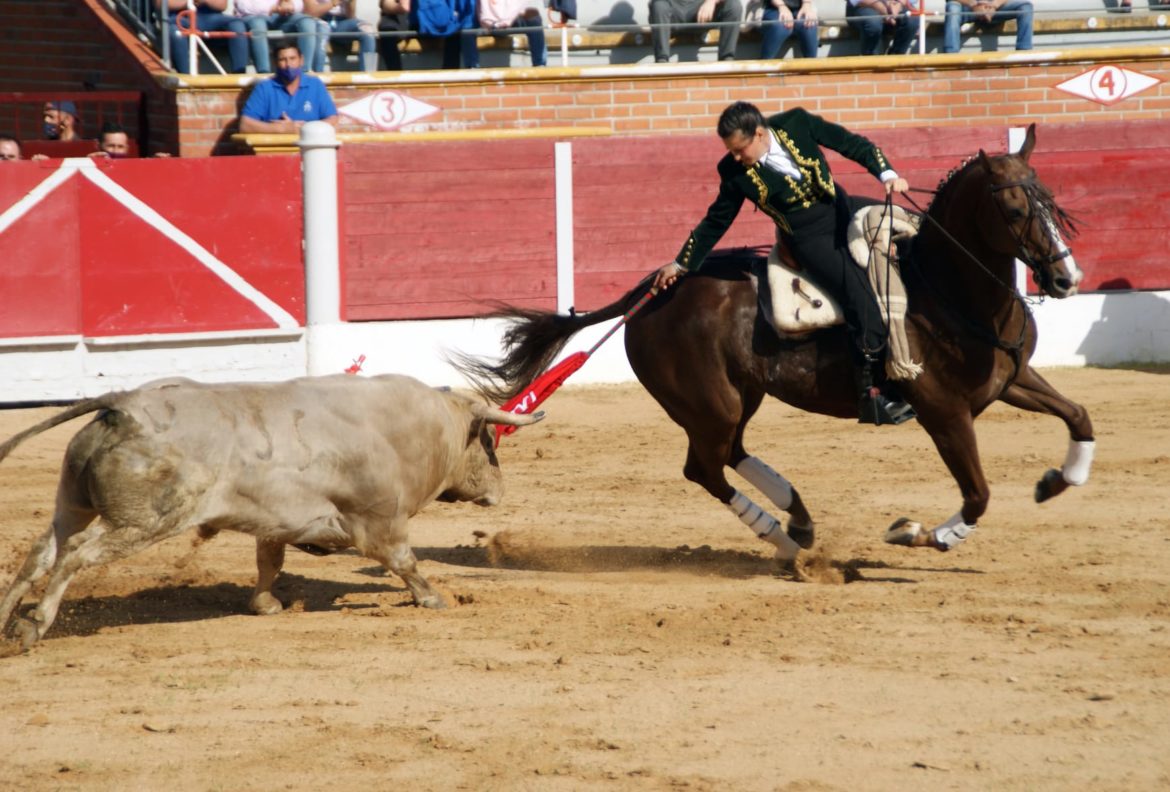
984,160
1029,143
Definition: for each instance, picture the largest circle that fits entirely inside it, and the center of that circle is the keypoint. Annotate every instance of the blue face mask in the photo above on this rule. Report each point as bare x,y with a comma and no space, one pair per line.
52,131
288,75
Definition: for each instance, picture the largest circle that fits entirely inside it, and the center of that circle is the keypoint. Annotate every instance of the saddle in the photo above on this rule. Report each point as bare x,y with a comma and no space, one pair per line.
795,306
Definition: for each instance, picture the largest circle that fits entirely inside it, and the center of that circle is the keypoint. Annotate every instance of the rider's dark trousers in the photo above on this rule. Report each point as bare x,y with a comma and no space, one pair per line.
818,241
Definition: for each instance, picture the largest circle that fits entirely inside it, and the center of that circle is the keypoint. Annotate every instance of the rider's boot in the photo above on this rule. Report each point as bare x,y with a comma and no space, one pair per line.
874,406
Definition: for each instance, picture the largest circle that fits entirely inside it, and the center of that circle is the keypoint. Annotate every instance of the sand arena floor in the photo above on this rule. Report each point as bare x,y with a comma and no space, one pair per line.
613,627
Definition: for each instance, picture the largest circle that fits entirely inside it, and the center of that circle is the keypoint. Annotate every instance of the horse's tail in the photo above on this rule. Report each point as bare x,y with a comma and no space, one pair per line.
532,341
81,408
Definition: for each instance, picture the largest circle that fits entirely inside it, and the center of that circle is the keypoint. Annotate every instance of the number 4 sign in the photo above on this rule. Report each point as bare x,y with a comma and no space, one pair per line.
1108,84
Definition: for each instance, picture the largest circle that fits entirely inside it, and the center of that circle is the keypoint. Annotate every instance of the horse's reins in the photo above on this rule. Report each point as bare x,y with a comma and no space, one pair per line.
988,336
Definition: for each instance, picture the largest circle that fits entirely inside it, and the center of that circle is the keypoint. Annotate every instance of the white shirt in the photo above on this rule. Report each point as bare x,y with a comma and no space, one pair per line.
778,159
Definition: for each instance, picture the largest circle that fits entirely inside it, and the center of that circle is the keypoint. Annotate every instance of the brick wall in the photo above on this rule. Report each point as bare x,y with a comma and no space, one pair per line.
74,46
865,93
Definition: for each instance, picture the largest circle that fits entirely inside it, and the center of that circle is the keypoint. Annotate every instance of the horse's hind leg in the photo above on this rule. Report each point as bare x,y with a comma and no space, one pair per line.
778,489
713,431
1030,391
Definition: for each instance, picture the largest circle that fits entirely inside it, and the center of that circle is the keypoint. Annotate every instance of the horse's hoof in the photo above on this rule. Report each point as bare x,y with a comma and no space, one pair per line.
803,535
905,532
1050,485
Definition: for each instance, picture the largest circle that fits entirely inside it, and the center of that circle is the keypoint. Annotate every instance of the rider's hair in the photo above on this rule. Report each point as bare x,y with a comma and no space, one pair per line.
742,117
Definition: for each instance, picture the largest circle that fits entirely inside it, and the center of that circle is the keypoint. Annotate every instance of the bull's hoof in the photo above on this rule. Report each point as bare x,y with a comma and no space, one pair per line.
905,532
264,604
10,647
1050,485
434,602
26,633
803,535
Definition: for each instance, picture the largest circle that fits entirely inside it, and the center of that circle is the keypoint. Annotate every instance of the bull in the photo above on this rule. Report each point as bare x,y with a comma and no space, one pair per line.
324,463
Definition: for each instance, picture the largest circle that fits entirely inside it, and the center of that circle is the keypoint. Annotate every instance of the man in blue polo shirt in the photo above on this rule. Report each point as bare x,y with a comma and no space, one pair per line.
285,101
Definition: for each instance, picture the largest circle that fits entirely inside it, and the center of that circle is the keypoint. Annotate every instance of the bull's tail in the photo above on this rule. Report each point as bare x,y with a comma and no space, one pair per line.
531,342
81,408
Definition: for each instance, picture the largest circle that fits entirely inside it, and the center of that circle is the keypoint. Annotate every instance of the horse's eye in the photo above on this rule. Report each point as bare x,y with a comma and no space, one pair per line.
1015,214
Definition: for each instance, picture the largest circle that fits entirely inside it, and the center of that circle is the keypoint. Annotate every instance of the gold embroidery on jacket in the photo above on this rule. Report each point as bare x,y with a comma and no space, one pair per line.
811,172
754,174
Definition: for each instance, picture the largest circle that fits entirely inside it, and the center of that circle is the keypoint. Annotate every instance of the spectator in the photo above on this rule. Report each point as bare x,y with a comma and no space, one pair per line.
61,121
987,13
504,14
287,99
872,17
343,25
395,19
9,147
781,19
664,13
113,142
210,17
299,18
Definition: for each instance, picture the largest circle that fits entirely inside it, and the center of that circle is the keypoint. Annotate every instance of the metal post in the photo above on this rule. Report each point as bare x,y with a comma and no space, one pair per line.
318,144
563,160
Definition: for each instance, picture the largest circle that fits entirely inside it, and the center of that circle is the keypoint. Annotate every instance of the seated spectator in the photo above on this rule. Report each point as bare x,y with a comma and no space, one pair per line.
9,147
287,99
61,121
209,16
448,21
664,13
113,142
873,17
504,14
342,26
299,18
395,19
987,13
781,19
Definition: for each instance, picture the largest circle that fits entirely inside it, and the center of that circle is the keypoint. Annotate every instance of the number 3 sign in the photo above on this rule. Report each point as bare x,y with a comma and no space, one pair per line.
1108,84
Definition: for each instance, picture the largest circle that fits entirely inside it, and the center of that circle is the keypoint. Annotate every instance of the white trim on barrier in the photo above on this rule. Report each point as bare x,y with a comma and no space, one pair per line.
42,341
148,339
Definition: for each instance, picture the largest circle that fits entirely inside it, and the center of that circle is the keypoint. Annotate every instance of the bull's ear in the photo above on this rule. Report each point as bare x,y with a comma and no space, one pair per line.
475,430
1029,143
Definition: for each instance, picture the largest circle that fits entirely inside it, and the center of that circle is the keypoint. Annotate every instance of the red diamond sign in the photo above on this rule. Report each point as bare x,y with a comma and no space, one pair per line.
1108,84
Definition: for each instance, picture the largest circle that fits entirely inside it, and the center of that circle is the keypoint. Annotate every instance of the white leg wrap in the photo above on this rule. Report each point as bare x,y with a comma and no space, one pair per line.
764,525
952,532
1077,461
768,481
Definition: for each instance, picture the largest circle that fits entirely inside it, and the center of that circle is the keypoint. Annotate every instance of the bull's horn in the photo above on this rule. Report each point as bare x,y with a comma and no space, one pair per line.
496,416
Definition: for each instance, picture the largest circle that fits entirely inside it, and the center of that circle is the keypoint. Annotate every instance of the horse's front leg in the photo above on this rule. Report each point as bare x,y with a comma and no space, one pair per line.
1032,392
954,437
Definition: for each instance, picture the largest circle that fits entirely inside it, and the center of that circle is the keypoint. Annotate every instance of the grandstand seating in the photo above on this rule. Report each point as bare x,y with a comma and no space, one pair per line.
610,32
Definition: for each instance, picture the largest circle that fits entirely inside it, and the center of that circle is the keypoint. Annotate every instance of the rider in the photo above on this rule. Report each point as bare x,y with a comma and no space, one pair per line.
778,164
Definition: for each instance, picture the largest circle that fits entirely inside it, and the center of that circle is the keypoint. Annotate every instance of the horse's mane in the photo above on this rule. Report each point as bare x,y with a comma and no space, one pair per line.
1039,196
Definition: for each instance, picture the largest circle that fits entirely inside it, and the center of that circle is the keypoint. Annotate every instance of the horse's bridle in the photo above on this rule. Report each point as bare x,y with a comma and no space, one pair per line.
1029,187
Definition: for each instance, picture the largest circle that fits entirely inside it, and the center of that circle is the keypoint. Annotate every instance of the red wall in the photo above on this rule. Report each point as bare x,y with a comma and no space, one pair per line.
85,260
438,230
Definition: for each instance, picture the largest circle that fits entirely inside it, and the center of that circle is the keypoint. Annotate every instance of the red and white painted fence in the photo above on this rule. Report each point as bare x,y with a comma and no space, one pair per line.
117,272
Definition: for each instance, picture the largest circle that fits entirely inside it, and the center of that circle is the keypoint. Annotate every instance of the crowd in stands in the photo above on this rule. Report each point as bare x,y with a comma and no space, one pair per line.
319,26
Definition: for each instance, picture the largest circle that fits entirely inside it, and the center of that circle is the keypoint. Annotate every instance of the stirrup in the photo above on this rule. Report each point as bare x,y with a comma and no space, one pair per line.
876,409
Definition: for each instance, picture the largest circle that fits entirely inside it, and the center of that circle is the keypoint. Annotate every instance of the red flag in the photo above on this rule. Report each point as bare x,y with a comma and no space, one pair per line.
541,388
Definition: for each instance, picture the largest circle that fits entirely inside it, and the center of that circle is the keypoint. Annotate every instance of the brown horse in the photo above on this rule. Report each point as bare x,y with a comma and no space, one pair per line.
702,353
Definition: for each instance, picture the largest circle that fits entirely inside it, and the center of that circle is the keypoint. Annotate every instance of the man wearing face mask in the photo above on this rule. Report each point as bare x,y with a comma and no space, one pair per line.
285,101
61,121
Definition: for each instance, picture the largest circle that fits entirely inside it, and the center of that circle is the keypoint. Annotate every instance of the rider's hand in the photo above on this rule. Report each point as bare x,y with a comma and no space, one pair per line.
899,185
667,275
